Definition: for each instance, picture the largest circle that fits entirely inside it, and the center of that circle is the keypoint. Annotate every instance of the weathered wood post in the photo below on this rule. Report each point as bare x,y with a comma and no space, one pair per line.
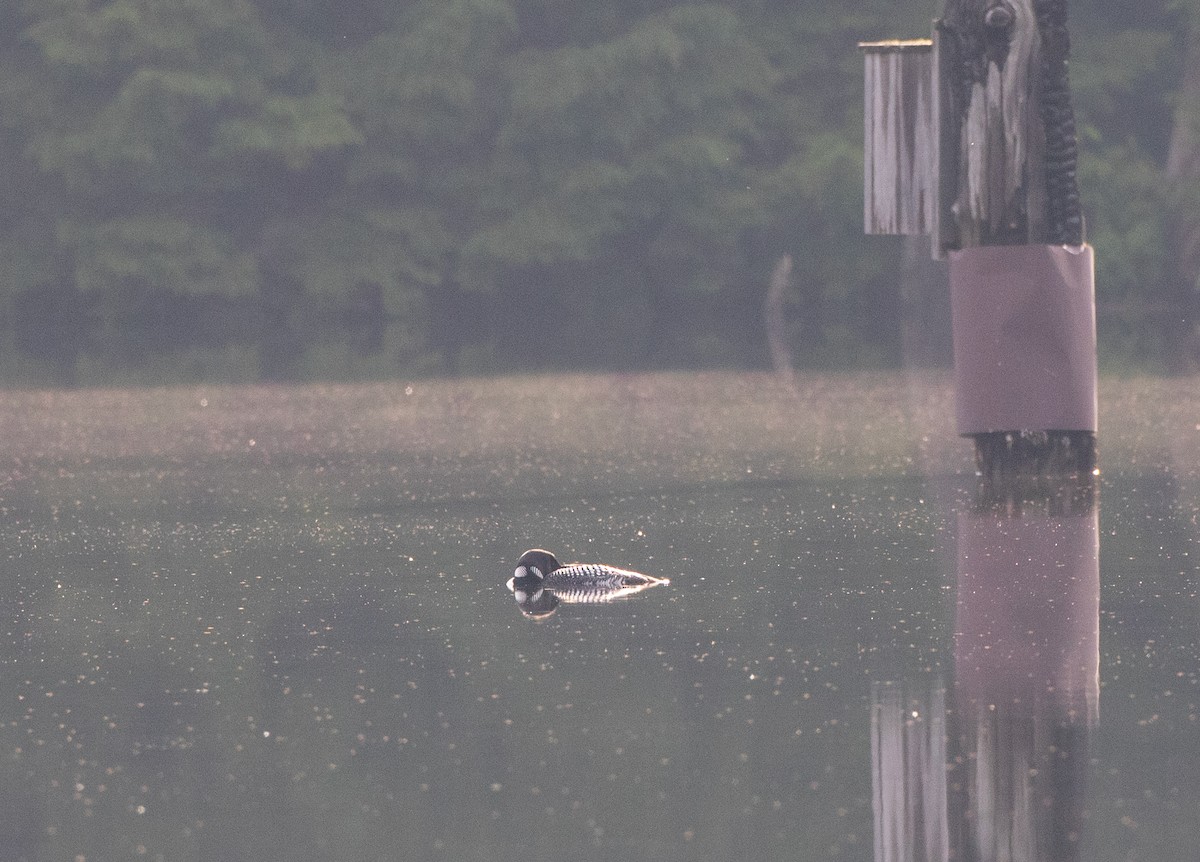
970,137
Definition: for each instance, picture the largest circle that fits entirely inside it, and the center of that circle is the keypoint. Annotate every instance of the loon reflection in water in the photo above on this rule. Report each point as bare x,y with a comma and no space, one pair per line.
540,583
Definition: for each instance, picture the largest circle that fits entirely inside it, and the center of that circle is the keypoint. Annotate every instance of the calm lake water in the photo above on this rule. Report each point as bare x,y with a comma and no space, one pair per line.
271,623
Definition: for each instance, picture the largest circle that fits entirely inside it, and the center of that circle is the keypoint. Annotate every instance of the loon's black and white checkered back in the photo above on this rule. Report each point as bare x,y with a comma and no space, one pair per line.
579,575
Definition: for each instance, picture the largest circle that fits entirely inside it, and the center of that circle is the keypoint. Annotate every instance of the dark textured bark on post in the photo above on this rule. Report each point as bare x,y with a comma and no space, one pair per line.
1058,119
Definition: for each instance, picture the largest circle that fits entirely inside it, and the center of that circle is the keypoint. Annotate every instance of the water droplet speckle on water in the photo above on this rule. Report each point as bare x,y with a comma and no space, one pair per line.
204,646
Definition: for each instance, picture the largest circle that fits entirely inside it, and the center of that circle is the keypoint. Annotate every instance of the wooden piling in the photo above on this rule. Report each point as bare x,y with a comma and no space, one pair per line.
970,137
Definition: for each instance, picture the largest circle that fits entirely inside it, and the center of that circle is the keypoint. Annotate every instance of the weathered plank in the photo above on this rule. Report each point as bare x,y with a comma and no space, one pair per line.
900,193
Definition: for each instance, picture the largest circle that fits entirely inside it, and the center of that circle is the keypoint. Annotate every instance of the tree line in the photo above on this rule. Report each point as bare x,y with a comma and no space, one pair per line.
517,183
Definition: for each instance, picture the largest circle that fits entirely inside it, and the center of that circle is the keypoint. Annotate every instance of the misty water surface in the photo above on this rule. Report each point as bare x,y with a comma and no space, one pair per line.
271,623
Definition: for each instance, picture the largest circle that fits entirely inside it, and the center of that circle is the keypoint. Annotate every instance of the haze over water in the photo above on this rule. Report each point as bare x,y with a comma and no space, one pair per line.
272,623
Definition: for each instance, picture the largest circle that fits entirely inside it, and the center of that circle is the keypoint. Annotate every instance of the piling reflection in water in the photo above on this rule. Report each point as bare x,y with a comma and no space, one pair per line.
999,771
1027,661
908,773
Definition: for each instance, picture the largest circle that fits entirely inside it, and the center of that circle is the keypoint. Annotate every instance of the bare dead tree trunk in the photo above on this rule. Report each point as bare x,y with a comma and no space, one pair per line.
1183,177
773,314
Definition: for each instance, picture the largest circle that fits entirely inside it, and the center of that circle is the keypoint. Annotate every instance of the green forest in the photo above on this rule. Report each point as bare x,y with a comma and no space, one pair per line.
472,186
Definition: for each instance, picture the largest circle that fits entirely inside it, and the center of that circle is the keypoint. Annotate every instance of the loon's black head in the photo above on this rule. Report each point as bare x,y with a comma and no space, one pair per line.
535,564
526,583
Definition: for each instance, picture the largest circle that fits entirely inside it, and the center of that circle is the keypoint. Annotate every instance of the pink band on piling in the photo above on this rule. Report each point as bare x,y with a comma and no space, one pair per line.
1024,320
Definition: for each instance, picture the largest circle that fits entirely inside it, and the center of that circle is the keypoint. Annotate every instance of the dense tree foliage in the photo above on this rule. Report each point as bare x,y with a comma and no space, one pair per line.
507,183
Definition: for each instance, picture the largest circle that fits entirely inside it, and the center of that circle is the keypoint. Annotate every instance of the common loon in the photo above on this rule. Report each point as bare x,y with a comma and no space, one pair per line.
539,576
